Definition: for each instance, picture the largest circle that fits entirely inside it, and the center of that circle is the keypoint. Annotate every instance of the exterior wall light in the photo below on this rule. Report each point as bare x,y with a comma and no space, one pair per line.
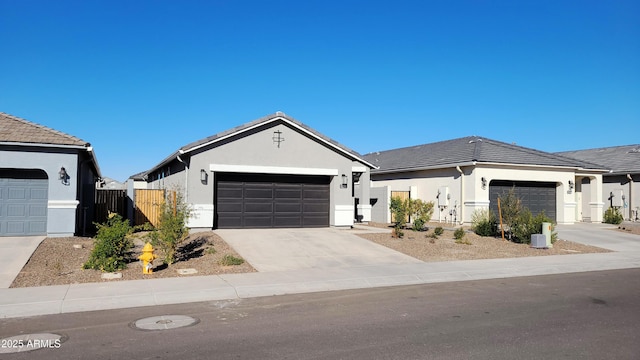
571,185
63,176
345,181
203,176
484,182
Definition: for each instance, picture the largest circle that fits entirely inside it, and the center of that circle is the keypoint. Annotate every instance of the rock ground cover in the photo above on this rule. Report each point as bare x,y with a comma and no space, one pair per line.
59,261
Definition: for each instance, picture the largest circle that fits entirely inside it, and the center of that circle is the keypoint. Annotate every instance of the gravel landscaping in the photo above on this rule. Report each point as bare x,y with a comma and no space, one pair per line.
59,261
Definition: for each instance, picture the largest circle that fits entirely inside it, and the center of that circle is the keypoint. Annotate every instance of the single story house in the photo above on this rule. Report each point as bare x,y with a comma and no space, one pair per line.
271,172
47,180
621,185
469,173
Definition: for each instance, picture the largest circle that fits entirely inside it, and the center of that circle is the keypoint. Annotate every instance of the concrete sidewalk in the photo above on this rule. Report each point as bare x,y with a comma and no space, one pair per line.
124,294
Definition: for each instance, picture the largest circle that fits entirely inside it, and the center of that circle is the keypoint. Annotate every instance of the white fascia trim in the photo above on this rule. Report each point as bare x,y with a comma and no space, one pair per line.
272,170
361,169
62,204
421,168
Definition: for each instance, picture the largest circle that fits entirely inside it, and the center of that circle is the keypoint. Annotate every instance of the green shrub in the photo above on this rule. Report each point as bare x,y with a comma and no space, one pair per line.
612,216
399,209
229,260
420,212
171,229
484,222
438,231
111,251
526,225
459,234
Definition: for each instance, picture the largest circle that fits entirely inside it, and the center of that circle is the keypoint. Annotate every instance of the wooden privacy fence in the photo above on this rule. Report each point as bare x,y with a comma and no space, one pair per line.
110,200
148,205
403,195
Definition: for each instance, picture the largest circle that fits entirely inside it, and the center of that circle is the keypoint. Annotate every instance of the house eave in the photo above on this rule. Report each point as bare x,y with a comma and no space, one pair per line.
422,168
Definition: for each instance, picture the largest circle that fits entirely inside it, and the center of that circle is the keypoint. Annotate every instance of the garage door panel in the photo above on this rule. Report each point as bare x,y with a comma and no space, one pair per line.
37,210
230,207
15,227
23,202
273,200
16,210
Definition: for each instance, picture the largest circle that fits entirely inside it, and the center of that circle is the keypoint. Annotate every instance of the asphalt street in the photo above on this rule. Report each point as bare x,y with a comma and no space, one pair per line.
589,315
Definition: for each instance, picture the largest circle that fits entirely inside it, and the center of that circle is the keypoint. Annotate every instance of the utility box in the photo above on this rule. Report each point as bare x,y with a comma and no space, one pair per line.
546,231
538,241
443,196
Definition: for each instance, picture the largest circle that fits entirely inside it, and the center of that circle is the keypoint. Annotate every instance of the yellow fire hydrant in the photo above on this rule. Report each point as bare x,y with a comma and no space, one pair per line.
147,258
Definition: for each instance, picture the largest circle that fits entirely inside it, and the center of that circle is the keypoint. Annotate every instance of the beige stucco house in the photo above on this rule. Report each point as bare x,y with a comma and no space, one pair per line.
466,174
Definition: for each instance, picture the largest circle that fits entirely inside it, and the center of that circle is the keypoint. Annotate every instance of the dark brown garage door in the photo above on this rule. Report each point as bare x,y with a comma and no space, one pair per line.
536,196
271,201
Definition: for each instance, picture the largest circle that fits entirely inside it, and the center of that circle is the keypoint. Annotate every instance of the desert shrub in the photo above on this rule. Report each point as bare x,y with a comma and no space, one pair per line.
421,212
229,260
438,231
459,233
510,207
526,225
399,209
171,229
484,222
112,248
612,216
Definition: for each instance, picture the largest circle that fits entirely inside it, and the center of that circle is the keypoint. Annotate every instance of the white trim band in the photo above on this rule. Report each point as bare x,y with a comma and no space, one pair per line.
272,170
62,204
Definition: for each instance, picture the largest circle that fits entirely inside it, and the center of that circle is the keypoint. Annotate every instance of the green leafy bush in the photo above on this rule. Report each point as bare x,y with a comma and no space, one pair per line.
229,260
459,234
526,225
612,216
171,229
399,209
111,251
421,213
438,231
484,222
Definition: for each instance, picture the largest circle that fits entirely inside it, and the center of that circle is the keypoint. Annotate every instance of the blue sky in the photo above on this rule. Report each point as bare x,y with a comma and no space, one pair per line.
139,79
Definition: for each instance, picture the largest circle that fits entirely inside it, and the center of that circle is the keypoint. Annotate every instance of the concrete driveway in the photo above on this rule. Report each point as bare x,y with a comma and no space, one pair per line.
14,254
600,235
293,249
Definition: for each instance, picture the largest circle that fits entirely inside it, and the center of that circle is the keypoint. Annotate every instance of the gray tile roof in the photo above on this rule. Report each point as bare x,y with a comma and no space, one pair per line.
17,130
238,129
620,159
467,150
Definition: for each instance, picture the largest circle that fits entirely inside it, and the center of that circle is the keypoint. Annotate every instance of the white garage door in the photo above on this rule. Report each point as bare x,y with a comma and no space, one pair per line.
23,202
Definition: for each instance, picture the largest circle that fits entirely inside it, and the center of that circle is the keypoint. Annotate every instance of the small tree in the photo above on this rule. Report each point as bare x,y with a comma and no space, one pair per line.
421,212
112,248
510,208
399,210
171,229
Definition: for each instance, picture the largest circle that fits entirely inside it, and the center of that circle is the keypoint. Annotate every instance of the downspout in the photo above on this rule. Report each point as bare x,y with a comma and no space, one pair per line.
461,194
630,196
186,177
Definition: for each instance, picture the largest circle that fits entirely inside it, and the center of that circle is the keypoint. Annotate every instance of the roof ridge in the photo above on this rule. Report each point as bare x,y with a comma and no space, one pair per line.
57,132
602,148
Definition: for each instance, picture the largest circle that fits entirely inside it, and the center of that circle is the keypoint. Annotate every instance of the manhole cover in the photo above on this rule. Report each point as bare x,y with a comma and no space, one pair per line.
164,322
29,342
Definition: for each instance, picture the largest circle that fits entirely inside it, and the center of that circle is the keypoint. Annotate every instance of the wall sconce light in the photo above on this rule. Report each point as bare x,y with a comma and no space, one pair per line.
345,181
571,185
484,182
203,176
63,176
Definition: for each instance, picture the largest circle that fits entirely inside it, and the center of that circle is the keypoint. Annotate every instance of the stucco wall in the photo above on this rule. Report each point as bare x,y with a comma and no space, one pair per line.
256,151
62,199
620,185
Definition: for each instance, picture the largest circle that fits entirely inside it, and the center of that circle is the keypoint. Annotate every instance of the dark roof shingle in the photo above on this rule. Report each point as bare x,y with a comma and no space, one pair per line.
18,130
620,159
466,150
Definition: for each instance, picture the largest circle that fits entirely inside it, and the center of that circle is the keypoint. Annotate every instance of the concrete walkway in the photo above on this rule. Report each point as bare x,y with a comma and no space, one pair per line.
123,294
14,253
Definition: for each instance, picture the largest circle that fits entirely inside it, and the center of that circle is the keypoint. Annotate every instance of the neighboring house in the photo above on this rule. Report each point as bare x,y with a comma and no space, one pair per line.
272,172
621,186
466,174
47,180
110,184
